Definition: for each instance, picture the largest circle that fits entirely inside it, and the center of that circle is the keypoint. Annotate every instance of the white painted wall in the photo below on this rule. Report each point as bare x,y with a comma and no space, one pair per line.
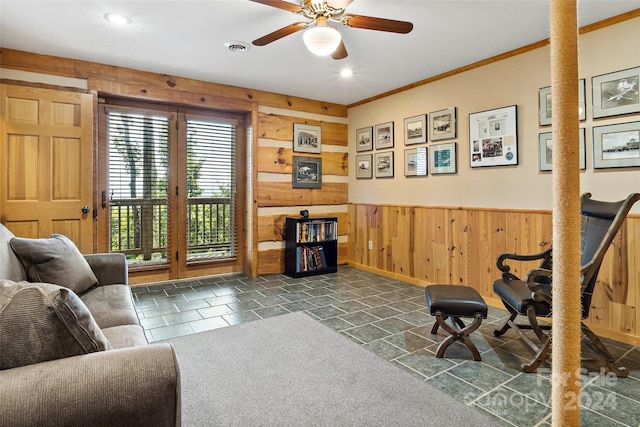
514,81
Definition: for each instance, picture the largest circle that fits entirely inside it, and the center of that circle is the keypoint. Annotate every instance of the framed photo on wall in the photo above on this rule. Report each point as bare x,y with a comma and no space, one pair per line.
443,158
443,124
545,148
384,164
364,168
307,138
616,93
616,146
415,161
493,137
364,139
307,172
415,130
383,134
544,95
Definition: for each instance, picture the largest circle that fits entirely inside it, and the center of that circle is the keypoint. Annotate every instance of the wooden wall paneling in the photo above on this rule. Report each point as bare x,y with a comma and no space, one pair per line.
104,78
474,260
459,247
422,244
279,127
271,261
281,194
280,160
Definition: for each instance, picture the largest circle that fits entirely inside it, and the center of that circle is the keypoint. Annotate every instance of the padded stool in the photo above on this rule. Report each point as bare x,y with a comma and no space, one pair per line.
453,301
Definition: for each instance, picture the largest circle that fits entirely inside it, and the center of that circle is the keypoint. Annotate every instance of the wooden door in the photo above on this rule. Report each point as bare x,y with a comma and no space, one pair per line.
46,179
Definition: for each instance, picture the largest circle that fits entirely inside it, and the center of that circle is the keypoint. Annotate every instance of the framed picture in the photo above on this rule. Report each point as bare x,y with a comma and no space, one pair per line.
616,93
616,146
307,172
545,147
544,95
493,137
307,138
384,164
415,130
443,158
364,139
443,124
364,168
415,161
384,135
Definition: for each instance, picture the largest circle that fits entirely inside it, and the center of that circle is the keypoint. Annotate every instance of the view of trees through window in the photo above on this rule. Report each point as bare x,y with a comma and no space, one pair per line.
139,152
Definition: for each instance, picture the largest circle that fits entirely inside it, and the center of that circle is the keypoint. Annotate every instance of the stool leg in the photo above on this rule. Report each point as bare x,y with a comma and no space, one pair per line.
455,335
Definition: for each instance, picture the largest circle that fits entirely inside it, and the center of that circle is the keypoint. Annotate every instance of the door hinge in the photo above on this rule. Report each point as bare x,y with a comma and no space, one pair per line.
176,190
177,256
177,125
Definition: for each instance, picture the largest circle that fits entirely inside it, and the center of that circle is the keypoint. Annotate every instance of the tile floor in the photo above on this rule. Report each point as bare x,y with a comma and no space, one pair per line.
389,318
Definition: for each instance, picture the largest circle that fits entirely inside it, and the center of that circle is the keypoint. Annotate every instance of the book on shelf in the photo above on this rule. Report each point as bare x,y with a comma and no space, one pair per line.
316,231
309,258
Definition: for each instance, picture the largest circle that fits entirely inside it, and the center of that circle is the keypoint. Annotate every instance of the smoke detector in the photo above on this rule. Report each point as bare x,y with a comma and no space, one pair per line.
237,46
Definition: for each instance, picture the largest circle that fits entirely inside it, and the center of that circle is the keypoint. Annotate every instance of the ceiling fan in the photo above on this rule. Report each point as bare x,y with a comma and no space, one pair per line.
321,38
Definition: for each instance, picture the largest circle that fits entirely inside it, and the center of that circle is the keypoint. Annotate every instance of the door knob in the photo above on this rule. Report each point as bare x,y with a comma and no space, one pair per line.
85,209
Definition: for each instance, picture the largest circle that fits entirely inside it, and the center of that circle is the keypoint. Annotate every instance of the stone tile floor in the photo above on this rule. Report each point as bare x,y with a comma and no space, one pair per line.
390,318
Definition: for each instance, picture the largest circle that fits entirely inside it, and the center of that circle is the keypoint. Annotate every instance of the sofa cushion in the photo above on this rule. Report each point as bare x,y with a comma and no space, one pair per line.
111,305
125,336
10,266
41,321
56,260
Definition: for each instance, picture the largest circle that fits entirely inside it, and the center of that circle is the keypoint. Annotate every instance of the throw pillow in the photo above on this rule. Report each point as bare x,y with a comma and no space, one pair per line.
41,321
56,260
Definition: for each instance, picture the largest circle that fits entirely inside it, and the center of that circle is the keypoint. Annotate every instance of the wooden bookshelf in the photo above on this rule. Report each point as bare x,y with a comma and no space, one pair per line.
311,246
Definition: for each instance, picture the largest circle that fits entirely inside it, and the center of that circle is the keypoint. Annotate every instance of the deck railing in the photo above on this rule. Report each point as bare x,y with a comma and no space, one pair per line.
139,228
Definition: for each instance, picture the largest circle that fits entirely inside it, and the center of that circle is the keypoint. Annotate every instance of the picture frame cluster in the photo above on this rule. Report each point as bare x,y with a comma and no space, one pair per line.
439,158
614,145
493,133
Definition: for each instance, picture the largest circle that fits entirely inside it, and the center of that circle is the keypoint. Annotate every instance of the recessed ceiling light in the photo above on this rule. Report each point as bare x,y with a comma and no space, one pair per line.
346,72
117,19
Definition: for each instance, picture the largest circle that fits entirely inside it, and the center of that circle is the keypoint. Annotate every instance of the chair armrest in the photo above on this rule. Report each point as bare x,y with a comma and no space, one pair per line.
540,290
137,386
109,268
500,262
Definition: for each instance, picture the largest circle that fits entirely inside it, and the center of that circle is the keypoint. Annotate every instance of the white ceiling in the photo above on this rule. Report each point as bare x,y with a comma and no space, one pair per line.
186,38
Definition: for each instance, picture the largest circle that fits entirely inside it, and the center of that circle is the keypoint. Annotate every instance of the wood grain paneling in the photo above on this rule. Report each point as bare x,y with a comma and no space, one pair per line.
280,160
279,127
160,87
282,194
425,245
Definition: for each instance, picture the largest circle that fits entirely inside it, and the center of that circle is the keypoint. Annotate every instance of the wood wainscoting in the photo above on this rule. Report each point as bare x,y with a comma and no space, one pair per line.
452,245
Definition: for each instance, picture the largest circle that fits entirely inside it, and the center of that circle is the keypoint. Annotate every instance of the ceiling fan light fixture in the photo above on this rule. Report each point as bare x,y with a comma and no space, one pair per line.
117,19
321,40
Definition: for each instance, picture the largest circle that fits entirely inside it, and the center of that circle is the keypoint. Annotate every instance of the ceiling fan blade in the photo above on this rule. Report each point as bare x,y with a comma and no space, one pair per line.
278,34
280,4
340,52
379,24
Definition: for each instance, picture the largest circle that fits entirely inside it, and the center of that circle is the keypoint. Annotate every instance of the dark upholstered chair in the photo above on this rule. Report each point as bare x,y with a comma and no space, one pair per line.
531,297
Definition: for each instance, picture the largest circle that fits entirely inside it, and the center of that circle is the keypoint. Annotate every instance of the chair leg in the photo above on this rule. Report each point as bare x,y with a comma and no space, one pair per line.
508,323
533,321
604,353
540,357
458,335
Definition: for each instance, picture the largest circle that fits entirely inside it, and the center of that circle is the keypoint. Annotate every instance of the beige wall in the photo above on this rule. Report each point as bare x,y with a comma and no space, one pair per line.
513,81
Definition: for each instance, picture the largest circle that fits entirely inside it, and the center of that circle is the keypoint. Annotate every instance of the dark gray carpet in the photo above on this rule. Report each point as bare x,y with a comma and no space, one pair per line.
290,370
